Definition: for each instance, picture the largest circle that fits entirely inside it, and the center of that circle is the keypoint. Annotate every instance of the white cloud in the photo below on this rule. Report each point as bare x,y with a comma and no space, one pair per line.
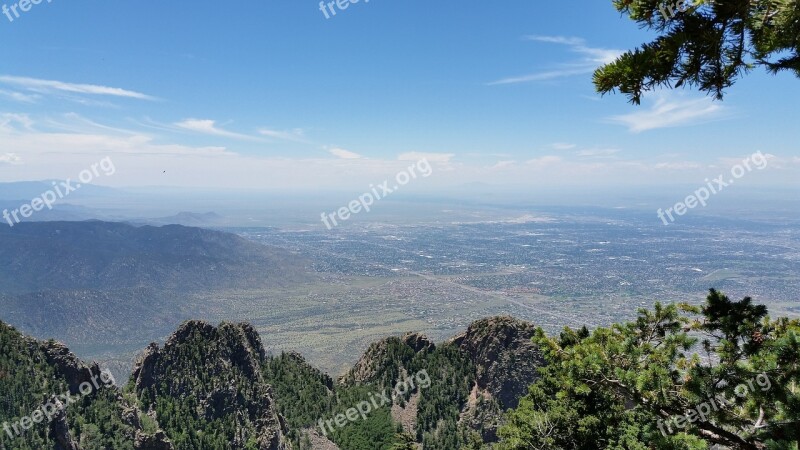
592,58
666,113
597,55
207,126
677,165
295,135
502,164
343,154
565,40
19,96
430,157
544,161
10,158
562,146
37,85
8,121
541,76
598,153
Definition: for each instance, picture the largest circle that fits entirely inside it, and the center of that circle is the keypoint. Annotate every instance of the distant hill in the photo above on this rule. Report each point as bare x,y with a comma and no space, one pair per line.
44,256
27,190
112,286
190,219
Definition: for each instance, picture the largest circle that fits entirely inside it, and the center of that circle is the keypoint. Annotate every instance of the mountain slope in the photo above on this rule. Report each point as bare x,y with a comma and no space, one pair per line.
216,388
45,256
114,287
205,385
42,380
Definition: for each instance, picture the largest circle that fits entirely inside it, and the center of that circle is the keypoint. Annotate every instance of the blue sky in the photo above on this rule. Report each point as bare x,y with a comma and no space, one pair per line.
272,94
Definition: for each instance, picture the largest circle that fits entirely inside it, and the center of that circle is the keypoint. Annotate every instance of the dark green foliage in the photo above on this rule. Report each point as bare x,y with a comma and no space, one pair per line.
27,381
709,45
452,378
202,398
377,432
303,394
617,387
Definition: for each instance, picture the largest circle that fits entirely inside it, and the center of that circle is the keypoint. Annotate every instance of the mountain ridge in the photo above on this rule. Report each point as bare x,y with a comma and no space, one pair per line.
221,379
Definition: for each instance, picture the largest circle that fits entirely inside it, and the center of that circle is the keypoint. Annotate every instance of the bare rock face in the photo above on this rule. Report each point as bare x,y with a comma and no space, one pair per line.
143,375
222,368
68,365
418,342
318,441
59,428
505,359
158,441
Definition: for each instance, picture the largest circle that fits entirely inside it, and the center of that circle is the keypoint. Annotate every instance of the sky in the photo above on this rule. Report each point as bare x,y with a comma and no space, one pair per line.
278,94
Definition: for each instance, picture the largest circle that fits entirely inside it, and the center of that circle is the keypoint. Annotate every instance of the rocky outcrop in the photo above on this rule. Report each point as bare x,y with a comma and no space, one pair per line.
221,367
67,365
418,342
59,428
505,359
143,375
387,358
158,441
318,441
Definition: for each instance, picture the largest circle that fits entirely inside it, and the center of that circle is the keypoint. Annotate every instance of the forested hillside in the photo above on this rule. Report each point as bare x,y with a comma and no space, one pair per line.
679,377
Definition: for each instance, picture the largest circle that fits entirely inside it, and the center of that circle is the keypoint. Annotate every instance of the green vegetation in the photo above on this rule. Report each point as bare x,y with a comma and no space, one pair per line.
452,377
709,45
303,394
206,392
645,384
618,387
27,381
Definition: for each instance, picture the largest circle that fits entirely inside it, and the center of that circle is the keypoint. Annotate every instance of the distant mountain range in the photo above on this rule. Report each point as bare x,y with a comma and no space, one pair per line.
94,255
26,190
101,283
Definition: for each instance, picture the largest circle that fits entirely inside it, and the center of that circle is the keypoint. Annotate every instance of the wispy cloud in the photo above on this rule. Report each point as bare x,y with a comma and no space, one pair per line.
10,158
343,154
295,135
562,146
8,120
44,86
671,112
76,123
677,165
592,57
209,127
598,153
595,55
543,161
565,40
431,157
541,76
19,96
502,164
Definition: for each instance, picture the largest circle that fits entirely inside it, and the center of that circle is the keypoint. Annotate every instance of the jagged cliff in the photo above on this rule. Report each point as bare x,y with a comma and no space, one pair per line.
52,399
505,358
213,374
215,387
